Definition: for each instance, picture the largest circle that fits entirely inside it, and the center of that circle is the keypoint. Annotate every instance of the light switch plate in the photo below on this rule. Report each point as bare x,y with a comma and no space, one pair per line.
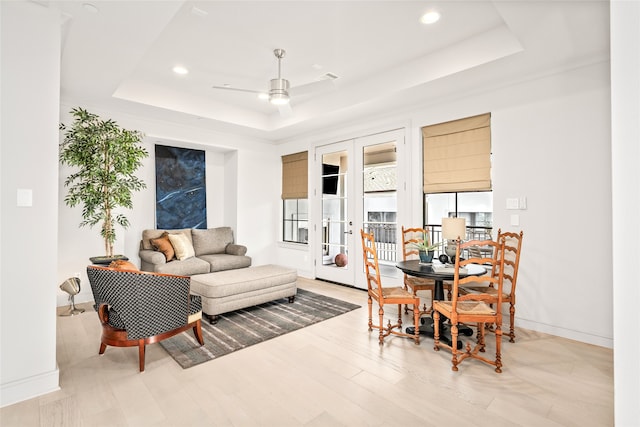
515,219
523,203
512,203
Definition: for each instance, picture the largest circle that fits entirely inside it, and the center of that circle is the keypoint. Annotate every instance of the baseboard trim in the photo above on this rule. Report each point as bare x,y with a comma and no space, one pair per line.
564,333
28,388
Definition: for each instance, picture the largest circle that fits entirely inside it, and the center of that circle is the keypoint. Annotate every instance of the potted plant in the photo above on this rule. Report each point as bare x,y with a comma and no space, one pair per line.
426,249
107,157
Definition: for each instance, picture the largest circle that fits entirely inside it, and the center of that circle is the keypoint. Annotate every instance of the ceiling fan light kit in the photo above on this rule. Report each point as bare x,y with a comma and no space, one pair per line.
279,91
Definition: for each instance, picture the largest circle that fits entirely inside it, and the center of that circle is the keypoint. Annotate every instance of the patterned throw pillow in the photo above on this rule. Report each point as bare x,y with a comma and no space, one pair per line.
121,264
182,246
163,244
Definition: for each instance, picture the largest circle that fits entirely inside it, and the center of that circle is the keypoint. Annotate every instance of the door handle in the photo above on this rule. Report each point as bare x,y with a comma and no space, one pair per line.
348,232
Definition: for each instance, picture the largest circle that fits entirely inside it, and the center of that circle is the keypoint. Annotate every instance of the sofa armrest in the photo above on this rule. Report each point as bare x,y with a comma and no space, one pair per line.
152,257
233,249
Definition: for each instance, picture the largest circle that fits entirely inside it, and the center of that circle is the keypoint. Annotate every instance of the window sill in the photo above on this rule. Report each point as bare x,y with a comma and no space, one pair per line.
295,246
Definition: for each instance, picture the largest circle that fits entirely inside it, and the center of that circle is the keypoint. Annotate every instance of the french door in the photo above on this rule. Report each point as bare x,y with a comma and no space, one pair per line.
356,188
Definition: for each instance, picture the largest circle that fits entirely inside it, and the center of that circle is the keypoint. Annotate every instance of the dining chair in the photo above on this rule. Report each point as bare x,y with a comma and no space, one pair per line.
410,237
386,295
473,308
512,249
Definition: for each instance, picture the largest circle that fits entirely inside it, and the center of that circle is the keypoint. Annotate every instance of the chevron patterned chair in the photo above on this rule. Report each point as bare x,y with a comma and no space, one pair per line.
138,308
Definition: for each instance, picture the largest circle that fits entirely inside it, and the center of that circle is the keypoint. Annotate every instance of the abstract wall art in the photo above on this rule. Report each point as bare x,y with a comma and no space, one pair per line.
181,199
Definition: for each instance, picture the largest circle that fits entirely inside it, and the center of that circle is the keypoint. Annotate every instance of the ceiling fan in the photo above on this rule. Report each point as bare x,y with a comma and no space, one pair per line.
280,91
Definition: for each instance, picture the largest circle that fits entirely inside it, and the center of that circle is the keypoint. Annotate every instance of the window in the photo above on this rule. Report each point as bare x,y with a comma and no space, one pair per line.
295,220
295,204
475,207
457,174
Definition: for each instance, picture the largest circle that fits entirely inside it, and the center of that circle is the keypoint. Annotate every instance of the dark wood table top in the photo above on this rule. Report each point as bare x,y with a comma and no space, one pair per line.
415,268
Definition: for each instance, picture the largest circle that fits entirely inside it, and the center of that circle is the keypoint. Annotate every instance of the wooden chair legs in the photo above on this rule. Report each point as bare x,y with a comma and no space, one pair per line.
118,337
389,329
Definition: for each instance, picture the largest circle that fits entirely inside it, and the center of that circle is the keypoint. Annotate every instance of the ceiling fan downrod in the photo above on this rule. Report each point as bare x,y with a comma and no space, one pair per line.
279,88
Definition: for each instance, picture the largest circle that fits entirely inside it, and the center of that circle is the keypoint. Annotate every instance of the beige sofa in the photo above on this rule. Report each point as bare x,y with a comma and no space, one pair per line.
213,250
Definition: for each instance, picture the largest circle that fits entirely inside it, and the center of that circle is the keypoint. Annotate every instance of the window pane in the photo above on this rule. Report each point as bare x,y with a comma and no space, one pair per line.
379,184
295,220
475,207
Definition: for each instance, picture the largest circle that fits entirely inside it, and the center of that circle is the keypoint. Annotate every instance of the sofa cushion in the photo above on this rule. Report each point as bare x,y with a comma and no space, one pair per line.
182,246
149,234
164,245
212,240
219,262
184,268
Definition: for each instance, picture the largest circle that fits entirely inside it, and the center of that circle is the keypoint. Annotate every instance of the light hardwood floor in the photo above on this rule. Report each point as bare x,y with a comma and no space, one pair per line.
330,374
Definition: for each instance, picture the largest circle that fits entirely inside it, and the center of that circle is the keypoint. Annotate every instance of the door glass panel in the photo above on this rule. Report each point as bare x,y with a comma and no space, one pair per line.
379,192
334,209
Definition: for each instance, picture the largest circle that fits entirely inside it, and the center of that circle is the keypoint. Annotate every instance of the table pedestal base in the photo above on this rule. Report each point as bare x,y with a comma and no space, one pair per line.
445,332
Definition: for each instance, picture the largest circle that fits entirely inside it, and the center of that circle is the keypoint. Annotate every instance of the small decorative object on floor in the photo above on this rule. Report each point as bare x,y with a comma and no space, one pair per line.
341,260
106,260
72,287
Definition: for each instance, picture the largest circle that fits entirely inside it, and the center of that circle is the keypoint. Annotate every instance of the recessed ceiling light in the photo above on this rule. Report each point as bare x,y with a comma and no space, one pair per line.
178,69
430,17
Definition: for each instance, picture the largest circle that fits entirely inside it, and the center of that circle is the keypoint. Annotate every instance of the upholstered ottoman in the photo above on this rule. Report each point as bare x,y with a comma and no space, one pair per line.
229,290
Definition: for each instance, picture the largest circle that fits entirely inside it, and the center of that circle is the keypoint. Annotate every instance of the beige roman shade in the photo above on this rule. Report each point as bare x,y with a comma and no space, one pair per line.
457,155
294,176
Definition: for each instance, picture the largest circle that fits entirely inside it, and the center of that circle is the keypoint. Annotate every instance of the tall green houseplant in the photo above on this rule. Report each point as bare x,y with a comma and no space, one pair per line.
107,157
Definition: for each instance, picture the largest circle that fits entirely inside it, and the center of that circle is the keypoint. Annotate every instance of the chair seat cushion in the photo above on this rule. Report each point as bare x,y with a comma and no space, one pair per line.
465,307
396,292
419,282
483,290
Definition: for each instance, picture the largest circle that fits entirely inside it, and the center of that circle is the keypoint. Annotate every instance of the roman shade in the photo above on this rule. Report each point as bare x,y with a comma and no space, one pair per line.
457,155
294,176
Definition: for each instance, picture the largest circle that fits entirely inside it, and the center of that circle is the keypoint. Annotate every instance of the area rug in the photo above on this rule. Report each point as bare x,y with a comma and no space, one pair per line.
243,328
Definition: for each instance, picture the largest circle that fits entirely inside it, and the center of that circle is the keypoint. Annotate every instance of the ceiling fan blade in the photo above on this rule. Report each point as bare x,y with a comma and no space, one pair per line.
313,87
285,110
237,89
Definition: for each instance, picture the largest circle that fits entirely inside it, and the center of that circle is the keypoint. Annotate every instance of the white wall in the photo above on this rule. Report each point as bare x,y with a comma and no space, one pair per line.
30,58
625,111
551,144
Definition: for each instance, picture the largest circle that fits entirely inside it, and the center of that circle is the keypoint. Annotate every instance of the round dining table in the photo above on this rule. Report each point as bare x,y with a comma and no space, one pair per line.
419,269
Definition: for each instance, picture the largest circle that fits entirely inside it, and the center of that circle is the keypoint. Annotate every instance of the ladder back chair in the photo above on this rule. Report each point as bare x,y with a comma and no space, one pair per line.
474,307
410,237
512,249
386,295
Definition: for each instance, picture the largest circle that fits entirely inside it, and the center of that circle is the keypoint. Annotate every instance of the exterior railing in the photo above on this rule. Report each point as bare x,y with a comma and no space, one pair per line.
385,235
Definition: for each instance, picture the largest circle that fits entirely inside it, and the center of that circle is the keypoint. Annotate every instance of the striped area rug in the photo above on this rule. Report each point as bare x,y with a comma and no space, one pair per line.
242,328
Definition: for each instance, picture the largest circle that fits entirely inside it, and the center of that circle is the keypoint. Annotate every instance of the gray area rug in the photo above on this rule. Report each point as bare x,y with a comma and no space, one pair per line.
242,328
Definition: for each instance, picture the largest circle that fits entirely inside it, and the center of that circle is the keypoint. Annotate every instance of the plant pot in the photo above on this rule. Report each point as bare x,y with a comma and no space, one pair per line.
426,256
106,260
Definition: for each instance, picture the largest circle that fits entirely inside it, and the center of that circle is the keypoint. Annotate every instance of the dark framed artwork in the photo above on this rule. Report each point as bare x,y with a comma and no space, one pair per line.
181,196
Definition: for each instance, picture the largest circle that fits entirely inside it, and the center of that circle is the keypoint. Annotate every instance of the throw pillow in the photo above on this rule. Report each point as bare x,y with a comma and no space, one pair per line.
163,244
121,264
182,246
